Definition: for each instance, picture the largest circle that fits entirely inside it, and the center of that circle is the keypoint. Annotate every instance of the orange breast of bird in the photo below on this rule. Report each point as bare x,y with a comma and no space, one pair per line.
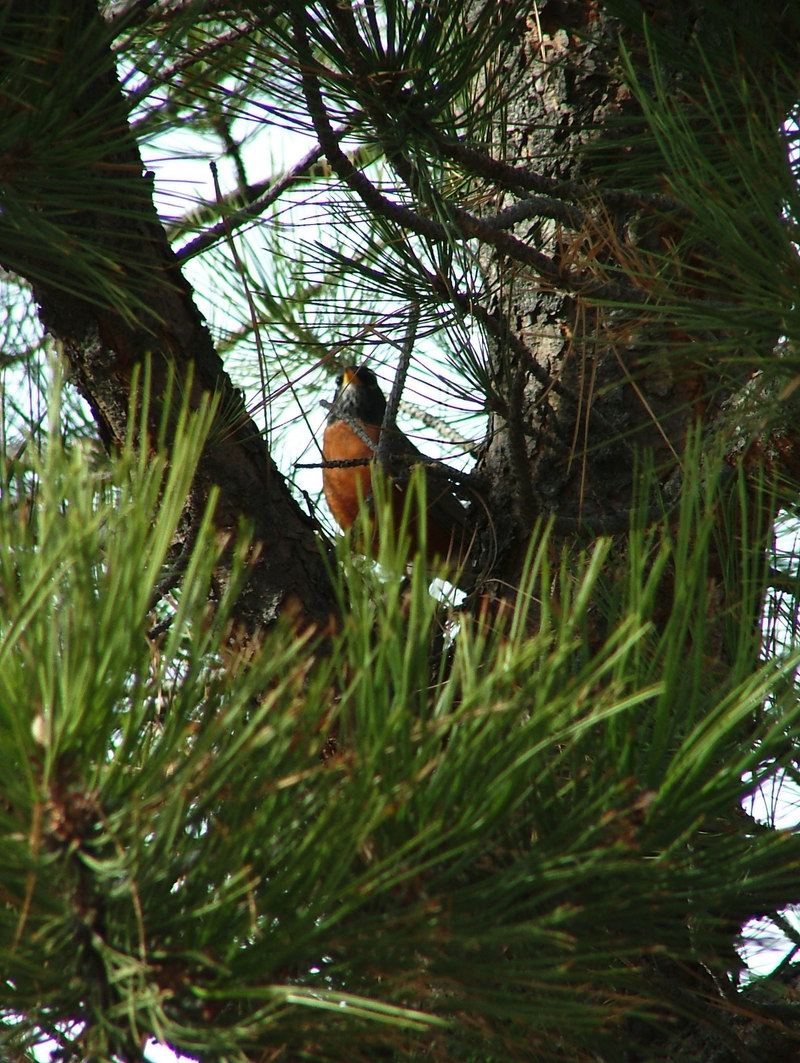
346,487
359,402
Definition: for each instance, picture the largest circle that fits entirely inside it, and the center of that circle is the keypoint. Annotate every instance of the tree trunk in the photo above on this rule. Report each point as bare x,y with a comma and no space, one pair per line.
589,395
155,322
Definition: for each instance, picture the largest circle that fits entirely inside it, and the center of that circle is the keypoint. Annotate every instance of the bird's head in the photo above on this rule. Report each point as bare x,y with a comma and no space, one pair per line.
358,395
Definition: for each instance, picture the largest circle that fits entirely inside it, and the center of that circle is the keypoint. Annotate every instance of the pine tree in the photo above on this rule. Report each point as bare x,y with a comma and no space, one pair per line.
264,799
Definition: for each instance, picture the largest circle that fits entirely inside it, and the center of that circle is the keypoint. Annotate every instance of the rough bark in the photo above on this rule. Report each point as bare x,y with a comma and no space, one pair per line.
586,393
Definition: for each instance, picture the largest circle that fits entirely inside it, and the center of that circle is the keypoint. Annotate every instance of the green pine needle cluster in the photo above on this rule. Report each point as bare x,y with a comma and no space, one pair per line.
515,831
520,829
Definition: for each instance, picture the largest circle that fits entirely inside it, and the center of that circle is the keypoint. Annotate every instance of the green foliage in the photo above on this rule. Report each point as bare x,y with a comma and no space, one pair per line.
727,167
527,815
711,147
519,822
45,231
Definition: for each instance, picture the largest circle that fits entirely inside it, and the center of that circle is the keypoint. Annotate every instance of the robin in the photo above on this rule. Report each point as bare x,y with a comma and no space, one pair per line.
352,434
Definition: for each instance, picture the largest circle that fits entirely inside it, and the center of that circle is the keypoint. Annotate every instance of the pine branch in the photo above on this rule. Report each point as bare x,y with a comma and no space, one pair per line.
261,197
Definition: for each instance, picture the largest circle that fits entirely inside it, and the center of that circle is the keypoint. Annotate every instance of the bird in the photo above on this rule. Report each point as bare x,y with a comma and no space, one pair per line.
352,434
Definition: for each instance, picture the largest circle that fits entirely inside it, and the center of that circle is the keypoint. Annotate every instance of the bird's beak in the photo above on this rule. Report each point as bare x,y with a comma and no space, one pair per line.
348,376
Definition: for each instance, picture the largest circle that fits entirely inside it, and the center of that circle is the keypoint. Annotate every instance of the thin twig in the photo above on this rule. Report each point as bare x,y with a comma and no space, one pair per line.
170,73
537,207
464,226
523,178
264,199
392,406
352,423
251,305
500,331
